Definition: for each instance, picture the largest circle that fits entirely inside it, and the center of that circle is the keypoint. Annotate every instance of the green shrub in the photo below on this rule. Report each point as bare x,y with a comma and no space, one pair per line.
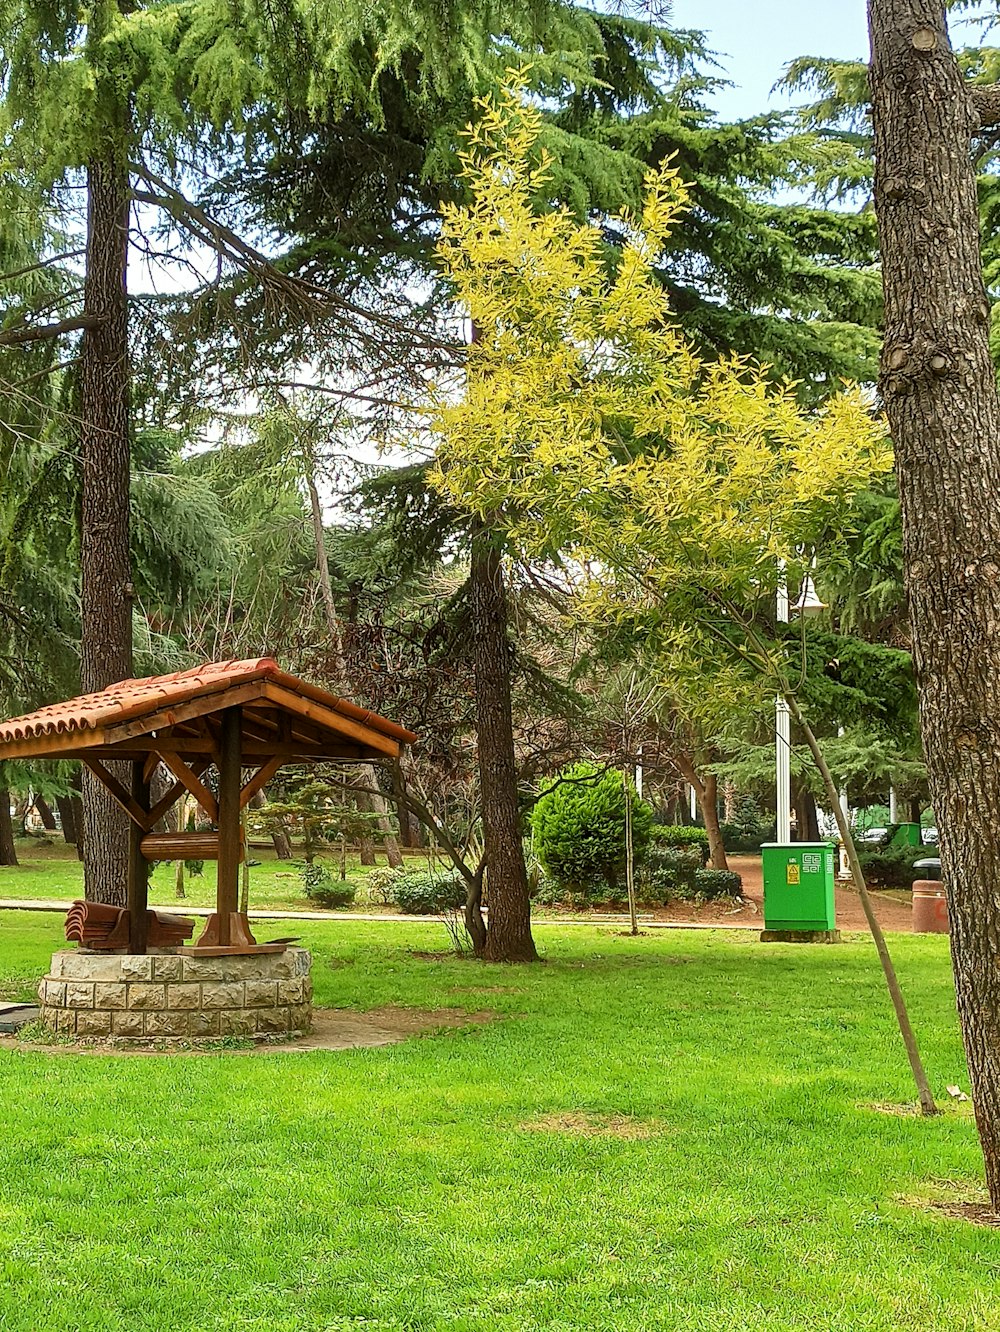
382,882
892,866
711,883
739,842
578,824
551,894
670,866
669,873
428,892
678,837
321,887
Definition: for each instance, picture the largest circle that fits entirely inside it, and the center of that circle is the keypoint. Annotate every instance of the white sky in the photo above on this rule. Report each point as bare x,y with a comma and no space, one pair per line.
755,39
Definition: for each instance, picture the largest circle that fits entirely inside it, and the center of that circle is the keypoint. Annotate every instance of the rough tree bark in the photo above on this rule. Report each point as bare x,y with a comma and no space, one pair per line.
365,802
508,931
67,817
806,815
105,564
45,813
939,388
8,851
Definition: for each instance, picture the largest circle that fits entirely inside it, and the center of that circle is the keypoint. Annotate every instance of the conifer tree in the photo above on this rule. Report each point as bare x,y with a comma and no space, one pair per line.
118,95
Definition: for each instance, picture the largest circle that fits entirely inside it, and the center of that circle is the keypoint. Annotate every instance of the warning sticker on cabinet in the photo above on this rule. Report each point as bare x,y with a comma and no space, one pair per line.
792,872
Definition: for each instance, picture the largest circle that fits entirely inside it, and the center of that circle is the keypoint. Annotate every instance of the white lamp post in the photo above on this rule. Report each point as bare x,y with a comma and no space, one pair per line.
782,740
807,605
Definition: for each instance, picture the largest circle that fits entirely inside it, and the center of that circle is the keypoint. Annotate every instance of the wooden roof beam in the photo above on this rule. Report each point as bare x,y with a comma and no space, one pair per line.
171,797
259,780
332,721
117,792
193,783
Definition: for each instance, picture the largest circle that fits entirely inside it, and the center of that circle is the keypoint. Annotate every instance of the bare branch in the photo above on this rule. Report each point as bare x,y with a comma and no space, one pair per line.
15,337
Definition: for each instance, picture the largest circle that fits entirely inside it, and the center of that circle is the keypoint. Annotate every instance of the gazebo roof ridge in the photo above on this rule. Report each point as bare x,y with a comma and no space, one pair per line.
128,701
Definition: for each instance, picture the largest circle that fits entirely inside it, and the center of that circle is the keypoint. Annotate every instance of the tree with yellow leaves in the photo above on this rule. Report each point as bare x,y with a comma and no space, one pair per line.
675,491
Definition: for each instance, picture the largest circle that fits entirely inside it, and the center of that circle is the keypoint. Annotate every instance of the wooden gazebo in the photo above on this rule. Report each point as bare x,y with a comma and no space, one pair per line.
235,715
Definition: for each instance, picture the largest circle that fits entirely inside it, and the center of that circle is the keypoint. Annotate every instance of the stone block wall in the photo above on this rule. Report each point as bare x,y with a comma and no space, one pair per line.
170,995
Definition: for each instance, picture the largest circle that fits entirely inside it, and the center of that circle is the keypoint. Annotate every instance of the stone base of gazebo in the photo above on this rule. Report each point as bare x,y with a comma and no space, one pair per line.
166,995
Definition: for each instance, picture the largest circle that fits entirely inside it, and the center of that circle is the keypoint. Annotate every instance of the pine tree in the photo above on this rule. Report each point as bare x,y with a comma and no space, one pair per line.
117,92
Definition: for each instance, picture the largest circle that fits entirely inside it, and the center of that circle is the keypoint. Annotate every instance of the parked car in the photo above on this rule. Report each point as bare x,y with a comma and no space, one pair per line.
873,834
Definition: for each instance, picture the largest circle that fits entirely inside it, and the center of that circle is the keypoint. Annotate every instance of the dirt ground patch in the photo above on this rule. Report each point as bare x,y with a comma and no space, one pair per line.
333,1029
580,1124
976,1213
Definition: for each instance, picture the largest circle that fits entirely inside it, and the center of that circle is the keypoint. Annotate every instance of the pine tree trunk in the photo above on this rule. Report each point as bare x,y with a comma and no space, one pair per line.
806,815
67,817
105,565
728,800
45,814
402,813
77,802
939,387
508,933
366,842
178,818
8,851
629,856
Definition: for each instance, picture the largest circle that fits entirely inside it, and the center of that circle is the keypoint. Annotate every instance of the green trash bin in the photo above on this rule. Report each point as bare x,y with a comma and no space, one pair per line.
798,886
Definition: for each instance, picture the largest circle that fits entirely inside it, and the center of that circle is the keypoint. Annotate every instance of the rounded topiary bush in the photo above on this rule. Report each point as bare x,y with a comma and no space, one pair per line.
709,883
578,824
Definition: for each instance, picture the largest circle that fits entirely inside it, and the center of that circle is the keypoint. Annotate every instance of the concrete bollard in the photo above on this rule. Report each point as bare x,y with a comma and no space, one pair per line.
930,907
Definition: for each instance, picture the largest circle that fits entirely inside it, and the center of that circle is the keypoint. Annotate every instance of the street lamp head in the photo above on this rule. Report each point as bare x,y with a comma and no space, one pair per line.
808,604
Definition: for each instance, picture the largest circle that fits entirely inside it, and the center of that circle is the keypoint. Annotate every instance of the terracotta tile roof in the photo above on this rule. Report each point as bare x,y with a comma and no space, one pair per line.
131,699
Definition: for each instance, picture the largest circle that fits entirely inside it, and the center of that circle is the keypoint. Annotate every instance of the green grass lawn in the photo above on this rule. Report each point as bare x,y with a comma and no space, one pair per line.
51,870
403,1188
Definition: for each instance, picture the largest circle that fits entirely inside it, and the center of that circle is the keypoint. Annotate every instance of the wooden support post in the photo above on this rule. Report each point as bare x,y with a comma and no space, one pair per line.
138,866
230,763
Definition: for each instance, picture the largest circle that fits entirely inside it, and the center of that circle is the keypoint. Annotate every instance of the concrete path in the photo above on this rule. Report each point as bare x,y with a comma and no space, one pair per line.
179,909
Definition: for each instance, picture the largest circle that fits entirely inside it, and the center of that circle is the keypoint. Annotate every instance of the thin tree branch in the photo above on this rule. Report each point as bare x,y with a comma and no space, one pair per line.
15,337
42,263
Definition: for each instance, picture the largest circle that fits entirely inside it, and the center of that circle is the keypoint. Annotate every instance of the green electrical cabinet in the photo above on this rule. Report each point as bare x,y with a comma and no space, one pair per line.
798,886
907,834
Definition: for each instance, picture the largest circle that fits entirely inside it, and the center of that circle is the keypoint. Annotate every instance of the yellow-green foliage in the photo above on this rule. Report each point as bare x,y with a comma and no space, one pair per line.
589,427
